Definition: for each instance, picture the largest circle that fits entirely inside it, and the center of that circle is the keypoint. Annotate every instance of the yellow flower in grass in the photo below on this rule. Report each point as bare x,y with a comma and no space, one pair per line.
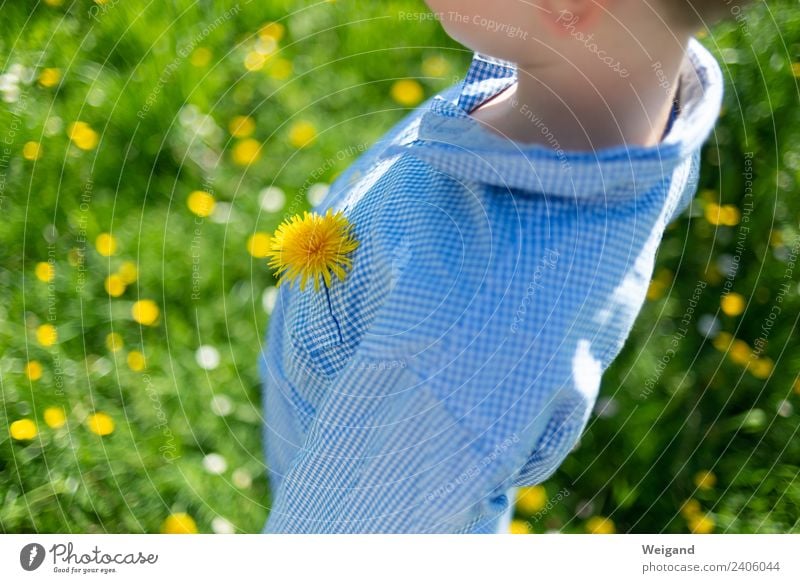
272,30
518,527
115,285
796,69
241,126
246,152
705,480
145,312
100,424
723,341
302,134
128,272
312,247
46,335
201,57
531,499
106,244
258,245
600,525
23,430
690,509
45,272
136,361
762,368
407,92
49,77
701,524
54,417
201,203
179,523
733,304
82,135
32,151
114,342
33,370
740,352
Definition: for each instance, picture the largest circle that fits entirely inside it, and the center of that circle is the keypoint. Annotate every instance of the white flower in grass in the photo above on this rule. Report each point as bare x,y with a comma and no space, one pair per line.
207,357
268,299
221,405
242,478
317,192
221,526
272,199
215,464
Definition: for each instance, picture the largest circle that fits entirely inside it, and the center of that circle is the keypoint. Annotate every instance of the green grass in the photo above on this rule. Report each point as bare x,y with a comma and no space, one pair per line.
159,84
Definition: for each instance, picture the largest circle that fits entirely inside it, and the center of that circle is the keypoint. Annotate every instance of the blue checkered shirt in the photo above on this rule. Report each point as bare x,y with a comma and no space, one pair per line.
494,283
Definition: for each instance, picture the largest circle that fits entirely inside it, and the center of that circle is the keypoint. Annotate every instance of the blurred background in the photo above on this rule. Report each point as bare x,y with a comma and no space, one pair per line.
147,150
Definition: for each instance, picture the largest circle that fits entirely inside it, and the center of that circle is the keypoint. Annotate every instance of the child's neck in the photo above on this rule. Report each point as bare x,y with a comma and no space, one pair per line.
569,109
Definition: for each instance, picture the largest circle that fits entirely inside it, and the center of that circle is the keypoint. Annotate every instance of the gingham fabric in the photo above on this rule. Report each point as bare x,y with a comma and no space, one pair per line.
493,285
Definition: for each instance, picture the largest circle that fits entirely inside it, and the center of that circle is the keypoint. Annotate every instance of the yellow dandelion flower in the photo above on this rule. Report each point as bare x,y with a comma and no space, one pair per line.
254,61
312,247
407,92
179,523
302,134
136,361
740,352
46,335
600,525
733,304
32,151
258,245
115,285
100,424
518,527
272,30
201,57
45,272
531,499
729,215
705,480
82,135
690,508
23,430
54,2
701,524
106,244
128,272
33,370
201,203
114,342
241,126
54,417
762,368
280,68
246,152
723,341
49,77
145,312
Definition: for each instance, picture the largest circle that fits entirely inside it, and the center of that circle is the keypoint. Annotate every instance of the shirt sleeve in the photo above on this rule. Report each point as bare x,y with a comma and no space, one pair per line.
409,438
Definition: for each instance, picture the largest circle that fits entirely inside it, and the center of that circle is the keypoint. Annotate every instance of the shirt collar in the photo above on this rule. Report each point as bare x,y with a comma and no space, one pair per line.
455,143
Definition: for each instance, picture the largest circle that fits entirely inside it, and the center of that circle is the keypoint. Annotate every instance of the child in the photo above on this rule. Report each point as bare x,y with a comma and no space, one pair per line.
460,291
